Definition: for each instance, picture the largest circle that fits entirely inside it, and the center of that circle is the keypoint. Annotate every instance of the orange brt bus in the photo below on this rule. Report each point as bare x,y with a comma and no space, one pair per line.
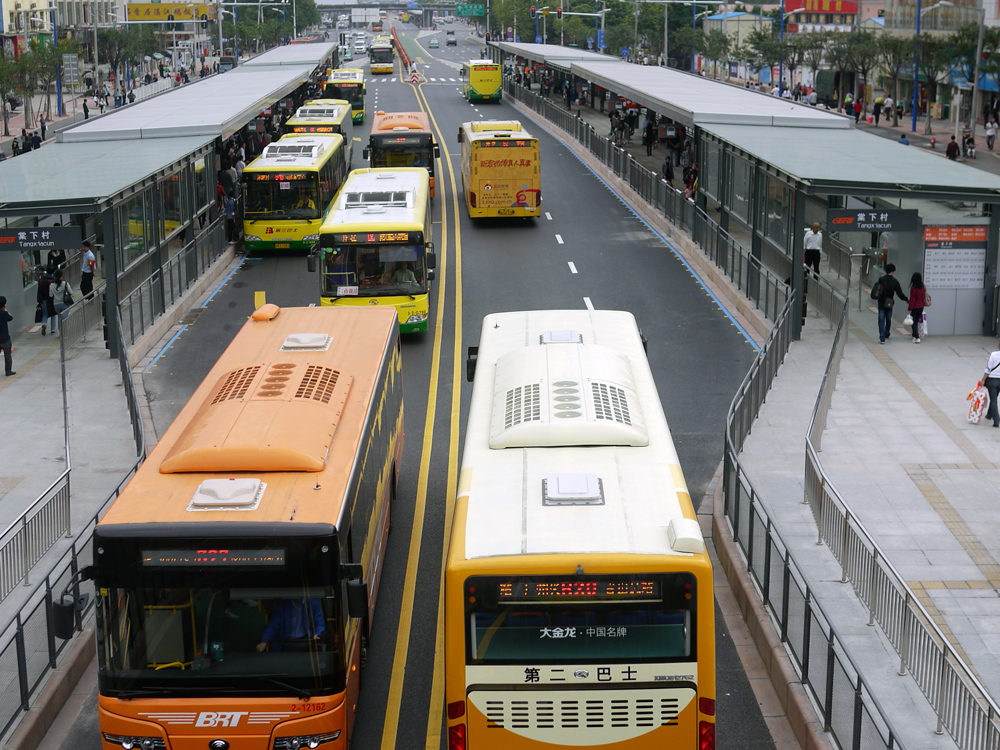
236,574
402,139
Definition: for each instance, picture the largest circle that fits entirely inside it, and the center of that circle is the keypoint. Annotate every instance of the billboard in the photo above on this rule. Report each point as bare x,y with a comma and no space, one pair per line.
163,12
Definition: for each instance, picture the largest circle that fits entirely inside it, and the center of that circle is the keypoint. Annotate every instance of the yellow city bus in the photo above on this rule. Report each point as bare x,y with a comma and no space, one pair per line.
376,247
380,57
578,606
500,169
349,84
482,81
402,139
267,501
324,116
289,188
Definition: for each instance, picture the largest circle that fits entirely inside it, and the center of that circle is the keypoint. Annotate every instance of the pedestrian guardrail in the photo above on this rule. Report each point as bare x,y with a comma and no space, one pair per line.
963,706
29,649
849,708
151,298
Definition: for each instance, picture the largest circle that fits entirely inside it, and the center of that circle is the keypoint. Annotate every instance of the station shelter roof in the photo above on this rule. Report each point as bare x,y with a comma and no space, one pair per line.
695,100
218,106
79,177
852,162
552,55
293,54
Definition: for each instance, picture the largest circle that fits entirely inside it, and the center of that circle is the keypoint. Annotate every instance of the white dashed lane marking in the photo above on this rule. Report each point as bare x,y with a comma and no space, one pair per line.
572,267
588,303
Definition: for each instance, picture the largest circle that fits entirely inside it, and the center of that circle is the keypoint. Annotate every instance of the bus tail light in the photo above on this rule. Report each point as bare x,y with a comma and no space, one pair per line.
706,736
707,706
456,737
472,199
456,710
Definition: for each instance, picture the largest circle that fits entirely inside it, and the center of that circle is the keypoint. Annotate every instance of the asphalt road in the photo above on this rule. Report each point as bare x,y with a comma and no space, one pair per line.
697,355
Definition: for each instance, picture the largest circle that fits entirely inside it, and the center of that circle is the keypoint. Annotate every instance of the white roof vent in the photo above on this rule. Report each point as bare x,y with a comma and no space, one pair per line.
684,535
306,342
561,337
228,494
572,489
573,394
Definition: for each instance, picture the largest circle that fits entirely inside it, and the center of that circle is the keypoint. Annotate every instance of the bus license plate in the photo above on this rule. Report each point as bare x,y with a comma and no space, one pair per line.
506,211
281,245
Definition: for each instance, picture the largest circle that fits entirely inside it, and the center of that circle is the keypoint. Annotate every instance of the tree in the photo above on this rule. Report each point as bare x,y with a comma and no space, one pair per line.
863,55
26,81
894,52
838,54
113,49
814,51
49,59
764,46
715,46
933,57
795,53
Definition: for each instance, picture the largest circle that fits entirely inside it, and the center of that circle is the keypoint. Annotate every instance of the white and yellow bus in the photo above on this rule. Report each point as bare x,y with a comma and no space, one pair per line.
289,189
324,116
376,246
578,603
482,81
380,57
501,174
402,139
349,84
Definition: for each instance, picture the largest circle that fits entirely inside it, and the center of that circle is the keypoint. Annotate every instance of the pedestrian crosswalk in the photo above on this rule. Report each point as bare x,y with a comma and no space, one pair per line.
429,80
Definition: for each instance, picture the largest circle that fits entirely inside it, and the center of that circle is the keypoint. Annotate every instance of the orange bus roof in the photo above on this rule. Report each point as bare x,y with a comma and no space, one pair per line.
388,121
286,404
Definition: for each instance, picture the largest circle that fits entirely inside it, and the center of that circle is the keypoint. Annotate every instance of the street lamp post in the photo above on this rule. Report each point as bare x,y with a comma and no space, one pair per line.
781,50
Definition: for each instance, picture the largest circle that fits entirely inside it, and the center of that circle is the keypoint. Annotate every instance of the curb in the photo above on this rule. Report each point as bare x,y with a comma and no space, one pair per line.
792,694
38,719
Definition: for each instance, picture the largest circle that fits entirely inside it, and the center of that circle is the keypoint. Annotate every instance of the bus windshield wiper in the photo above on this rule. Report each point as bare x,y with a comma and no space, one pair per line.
158,691
300,692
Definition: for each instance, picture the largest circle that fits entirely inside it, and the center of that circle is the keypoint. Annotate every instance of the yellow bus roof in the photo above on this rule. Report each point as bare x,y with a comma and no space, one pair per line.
388,121
490,126
346,75
383,197
297,151
482,63
286,404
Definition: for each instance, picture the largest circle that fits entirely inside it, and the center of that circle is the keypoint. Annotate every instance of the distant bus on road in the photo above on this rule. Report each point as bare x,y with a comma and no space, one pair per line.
349,84
402,139
482,81
324,116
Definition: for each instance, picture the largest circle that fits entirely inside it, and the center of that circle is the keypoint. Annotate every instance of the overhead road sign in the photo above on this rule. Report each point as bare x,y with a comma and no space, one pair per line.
469,10
40,238
164,12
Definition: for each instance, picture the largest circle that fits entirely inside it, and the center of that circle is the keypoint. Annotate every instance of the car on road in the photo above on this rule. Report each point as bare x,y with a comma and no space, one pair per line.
360,47
347,55
432,44
449,39
12,101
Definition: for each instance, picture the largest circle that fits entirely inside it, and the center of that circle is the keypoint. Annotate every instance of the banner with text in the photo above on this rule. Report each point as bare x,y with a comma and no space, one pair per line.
163,12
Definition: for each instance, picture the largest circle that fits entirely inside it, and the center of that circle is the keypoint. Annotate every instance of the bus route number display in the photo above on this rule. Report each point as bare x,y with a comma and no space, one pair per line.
371,238
577,590
503,144
402,140
313,129
213,558
280,177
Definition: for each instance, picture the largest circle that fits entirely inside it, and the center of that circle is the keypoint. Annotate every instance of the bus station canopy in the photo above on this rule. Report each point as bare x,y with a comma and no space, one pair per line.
292,54
852,162
551,55
218,106
80,177
695,100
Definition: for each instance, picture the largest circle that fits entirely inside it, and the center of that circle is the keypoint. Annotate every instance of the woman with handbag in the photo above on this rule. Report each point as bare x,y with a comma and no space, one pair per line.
918,295
991,379
62,297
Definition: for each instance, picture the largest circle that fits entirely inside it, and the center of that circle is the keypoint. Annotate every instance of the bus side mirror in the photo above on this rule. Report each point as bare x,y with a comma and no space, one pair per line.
65,610
364,154
430,260
470,363
437,152
459,136
357,598
311,262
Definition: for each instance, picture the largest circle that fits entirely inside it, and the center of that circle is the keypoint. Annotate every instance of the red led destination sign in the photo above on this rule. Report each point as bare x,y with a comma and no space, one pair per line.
577,590
213,558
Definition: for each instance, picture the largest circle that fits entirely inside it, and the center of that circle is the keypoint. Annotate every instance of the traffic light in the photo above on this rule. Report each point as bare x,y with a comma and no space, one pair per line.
559,13
532,12
487,38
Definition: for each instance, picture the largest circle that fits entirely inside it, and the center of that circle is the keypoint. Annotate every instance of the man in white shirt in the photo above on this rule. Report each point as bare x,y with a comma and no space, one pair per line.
887,109
813,244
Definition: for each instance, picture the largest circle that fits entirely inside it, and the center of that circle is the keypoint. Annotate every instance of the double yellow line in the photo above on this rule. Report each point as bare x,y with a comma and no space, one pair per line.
391,724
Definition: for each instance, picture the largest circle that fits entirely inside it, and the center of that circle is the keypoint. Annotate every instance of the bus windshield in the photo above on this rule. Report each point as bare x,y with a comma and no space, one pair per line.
380,54
373,270
352,92
605,620
282,195
391,150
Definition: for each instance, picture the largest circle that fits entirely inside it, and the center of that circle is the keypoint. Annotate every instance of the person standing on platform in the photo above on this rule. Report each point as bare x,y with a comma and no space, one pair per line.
813,243
41,124
87,267
6,345
991,379
86,110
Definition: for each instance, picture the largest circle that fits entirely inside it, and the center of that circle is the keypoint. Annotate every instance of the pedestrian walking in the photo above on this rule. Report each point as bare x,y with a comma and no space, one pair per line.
813,243
886,290
6,345
648,135
918,300
952,151
54,260
36,141
44,300
86,110
87,267
858,104
62,297
877,110
667,170
230,218
991,376
41,124
991,132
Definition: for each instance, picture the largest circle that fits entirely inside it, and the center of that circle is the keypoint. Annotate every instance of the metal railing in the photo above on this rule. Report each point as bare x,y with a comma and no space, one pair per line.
847,703
962,704
151,298
29,649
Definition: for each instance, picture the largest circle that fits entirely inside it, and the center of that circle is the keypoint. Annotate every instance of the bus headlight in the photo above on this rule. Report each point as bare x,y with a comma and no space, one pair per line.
305,741
251,238
135,743
311,238
417,318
